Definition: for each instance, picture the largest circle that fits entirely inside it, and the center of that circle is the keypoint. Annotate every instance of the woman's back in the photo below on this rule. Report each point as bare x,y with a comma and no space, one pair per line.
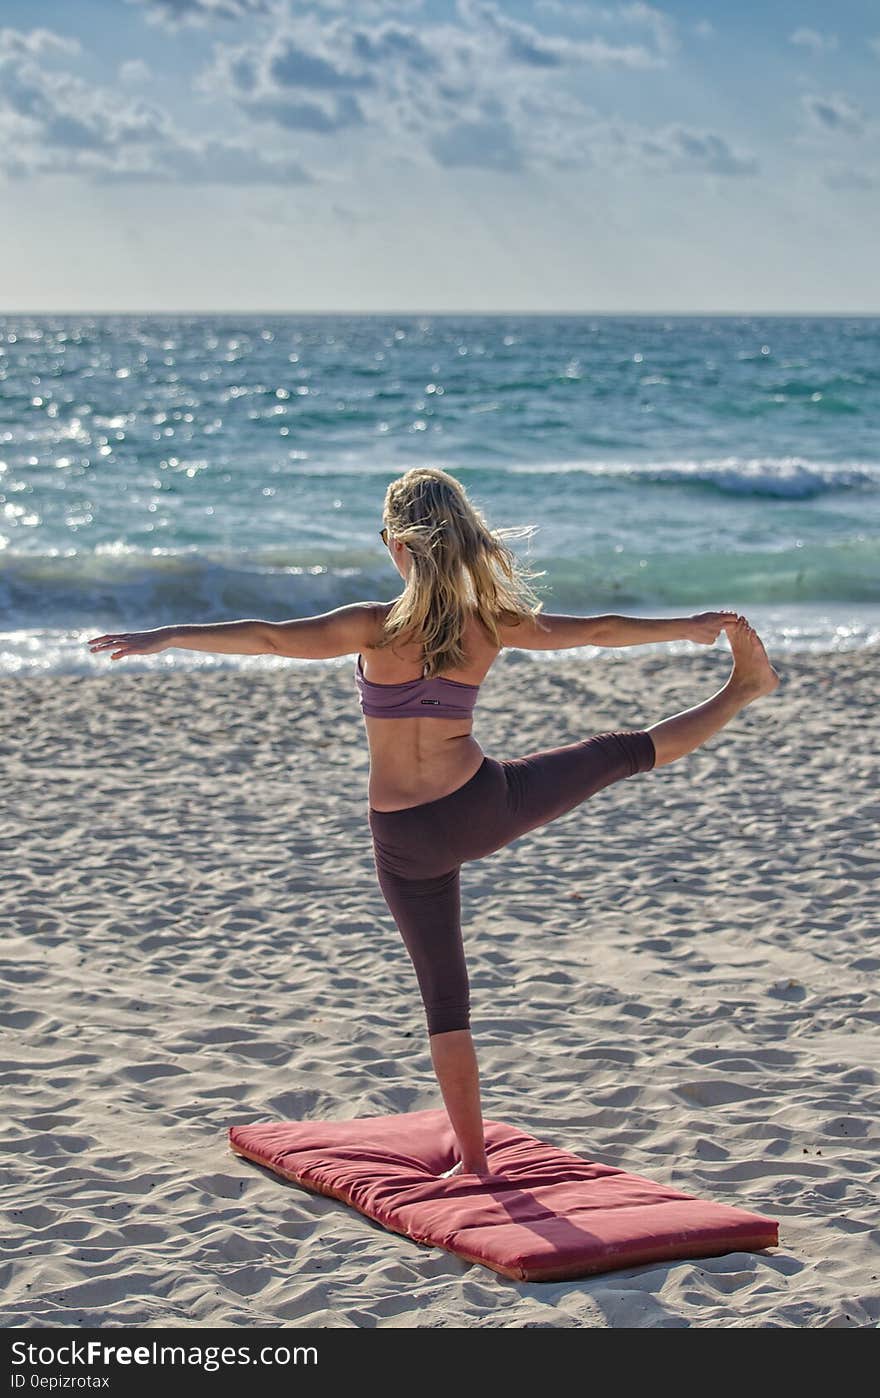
421,758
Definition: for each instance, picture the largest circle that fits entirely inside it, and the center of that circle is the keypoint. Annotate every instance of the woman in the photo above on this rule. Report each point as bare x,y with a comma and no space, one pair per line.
435,800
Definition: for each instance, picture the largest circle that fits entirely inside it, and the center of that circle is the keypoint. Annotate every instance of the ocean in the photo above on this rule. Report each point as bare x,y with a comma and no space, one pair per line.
157,469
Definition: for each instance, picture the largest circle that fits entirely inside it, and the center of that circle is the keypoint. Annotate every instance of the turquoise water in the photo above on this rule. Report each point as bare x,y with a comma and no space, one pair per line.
156,469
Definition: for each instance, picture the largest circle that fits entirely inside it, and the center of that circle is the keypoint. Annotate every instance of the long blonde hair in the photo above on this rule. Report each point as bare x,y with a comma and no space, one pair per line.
459,564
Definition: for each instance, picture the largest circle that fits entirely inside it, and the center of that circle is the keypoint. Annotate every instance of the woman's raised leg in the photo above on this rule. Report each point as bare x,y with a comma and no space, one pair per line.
752,675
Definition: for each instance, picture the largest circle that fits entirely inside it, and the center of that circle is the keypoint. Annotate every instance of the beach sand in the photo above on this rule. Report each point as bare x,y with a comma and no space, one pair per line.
677,978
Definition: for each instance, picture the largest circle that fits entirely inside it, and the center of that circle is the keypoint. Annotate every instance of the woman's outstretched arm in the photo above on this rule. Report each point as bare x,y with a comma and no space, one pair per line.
340,632
222,638
548,632
703,627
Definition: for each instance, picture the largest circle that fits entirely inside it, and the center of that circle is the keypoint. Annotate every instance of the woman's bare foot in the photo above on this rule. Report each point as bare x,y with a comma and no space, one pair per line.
448,1174
751,666
458,1169
751,676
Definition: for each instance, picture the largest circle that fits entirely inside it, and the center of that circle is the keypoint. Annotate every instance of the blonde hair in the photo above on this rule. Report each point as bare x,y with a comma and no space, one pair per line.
458,564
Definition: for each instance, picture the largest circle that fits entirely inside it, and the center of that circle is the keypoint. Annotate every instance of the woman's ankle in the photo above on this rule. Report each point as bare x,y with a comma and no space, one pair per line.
742,690
480,1167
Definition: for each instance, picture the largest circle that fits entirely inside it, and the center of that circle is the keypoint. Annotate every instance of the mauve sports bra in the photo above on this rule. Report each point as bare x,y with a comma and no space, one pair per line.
434,698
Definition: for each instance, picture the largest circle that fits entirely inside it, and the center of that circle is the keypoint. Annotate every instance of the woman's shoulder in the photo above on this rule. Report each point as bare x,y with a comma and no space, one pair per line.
473,611
378,616
381,610
479,645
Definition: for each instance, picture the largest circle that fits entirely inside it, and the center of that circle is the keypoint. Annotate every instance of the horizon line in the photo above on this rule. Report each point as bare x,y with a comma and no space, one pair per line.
679,315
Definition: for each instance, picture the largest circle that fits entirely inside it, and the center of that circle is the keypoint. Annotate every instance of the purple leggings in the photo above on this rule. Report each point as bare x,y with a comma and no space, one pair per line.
419,851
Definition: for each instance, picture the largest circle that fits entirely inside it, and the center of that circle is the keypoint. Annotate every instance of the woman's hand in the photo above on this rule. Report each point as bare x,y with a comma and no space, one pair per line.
122,643
705,627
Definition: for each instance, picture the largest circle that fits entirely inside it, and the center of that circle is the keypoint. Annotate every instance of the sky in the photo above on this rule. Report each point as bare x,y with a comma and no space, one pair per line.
440,156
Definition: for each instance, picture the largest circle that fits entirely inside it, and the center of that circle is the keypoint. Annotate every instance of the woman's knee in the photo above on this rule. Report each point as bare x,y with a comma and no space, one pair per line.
444,1018
646,751
635,748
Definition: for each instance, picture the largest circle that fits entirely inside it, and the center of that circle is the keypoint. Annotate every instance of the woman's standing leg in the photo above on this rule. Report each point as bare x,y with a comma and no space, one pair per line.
455,1063
427,912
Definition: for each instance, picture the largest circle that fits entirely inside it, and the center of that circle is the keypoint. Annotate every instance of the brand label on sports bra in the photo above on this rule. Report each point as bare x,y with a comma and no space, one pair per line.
430,701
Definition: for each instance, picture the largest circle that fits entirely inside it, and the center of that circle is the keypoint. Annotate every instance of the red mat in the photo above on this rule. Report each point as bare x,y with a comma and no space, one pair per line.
554,1215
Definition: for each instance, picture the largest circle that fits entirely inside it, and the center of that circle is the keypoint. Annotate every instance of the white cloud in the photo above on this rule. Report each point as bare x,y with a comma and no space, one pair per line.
134,71
681,148
340,73
834,113
296,79
64,113
43,43
191,161
369,9
177,12
812,39
661,24
482,91
55,123
523,44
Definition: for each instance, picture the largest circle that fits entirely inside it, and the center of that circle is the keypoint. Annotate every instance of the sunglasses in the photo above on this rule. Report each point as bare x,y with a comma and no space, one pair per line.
383,535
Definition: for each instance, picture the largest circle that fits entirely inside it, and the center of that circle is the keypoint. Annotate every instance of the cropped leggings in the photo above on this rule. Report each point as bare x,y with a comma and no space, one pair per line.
419,851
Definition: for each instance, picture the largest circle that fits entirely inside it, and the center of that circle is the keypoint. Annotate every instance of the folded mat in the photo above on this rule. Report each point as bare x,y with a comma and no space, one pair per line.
552,1215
